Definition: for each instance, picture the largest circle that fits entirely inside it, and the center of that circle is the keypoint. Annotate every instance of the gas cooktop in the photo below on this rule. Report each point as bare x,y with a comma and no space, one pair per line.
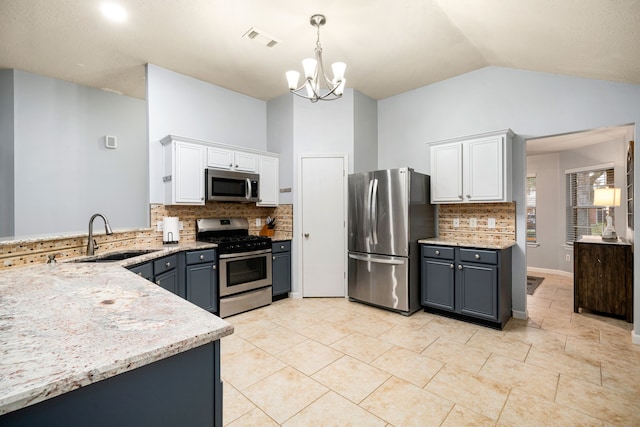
230,234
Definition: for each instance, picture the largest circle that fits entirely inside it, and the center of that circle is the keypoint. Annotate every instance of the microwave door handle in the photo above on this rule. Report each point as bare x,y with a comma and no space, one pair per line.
248,190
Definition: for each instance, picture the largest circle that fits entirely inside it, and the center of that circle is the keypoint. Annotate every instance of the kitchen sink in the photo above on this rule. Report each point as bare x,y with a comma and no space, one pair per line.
118,256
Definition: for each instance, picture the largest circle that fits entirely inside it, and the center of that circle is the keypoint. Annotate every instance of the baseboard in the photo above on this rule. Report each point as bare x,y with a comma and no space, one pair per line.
549,271
517,314
295,295
635,338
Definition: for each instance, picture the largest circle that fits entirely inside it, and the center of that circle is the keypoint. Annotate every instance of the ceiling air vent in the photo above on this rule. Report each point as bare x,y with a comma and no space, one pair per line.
261,37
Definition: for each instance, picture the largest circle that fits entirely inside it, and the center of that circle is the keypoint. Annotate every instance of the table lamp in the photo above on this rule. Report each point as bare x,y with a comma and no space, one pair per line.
607,197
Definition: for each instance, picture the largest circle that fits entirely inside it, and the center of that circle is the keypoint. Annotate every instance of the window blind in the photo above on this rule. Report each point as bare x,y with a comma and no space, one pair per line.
582,217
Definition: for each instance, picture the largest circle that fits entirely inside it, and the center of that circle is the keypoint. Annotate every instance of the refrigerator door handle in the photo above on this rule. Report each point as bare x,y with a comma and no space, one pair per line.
368,220
374,212
377,260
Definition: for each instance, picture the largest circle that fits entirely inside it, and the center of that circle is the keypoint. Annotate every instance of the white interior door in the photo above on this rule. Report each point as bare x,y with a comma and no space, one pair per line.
323,220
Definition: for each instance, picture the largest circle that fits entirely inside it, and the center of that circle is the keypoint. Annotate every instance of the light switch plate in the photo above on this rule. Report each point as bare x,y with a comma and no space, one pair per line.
491,223
456,222
473,222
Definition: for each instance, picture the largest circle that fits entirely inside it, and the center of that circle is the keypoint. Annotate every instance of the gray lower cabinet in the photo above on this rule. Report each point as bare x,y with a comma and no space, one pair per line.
469,283
192,275
202,279
281,267
181,390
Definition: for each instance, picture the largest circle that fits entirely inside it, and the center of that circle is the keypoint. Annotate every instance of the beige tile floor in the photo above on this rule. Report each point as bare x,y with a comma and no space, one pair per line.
331,362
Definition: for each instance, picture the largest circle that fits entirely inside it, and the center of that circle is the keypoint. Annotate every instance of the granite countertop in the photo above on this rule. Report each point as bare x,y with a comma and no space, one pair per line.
159,249
483,244
70,324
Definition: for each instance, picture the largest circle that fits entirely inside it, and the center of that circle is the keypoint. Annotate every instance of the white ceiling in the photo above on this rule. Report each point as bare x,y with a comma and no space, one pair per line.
390,46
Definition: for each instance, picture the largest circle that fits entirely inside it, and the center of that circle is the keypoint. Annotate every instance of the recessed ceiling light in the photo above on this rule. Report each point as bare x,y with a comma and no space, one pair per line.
114,12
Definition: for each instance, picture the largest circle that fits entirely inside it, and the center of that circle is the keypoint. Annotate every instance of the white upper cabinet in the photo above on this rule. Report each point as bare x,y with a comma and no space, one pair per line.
222,158
183,172
269,170
185,160
446,173
472,169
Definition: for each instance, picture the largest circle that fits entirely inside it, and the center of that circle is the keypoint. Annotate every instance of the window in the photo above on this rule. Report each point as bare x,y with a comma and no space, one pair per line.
531,209
584,219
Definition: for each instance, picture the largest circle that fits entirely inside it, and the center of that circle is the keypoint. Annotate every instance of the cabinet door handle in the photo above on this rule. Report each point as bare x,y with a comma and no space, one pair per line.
167,264
306,235
236,165
273,257
201,256
477,256
451,266
459,266
460,196
214,267
468,196
437,252
230,165
281,246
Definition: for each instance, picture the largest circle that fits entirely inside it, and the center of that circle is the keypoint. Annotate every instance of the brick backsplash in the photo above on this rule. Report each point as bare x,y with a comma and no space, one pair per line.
188,215
504,214
34,252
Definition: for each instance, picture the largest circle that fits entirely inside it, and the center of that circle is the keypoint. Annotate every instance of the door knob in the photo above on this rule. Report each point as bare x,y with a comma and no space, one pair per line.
306,235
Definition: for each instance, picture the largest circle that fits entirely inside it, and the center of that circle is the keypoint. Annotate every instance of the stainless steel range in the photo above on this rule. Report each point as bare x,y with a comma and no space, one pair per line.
244,263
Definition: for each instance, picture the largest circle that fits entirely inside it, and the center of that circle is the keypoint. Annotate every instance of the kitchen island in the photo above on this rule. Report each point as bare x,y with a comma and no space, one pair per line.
95,344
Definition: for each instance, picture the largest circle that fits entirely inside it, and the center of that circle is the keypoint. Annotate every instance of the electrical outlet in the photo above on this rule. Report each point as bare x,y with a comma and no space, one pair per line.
456,222
258,222
473,222
159,226
567,258
491,223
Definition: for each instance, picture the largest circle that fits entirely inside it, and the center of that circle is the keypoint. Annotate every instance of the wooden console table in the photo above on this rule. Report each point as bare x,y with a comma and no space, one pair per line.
603,276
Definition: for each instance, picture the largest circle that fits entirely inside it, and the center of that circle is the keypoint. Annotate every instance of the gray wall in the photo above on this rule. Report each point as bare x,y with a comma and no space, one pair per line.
6,154
551,199
280,140
532,104
365,138
185,106
63,172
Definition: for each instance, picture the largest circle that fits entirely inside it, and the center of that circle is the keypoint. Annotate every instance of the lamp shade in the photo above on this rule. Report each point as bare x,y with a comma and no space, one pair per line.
606,197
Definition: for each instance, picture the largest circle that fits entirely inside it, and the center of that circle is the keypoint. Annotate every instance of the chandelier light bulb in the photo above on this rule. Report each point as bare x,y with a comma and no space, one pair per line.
338,71
309,65
292,78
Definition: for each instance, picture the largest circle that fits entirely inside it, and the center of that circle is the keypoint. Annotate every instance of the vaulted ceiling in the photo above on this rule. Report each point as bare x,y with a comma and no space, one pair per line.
390,46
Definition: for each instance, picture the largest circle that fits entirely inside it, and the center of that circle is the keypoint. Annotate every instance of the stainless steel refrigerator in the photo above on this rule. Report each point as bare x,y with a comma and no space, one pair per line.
389,210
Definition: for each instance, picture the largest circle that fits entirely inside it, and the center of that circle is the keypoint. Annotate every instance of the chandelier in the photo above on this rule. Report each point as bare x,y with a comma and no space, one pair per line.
315,79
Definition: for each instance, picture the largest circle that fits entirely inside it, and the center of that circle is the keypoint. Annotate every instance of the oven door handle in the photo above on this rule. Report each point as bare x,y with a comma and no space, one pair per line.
244,255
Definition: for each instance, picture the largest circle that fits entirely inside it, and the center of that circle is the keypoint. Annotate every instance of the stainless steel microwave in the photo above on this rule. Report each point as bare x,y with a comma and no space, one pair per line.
230,186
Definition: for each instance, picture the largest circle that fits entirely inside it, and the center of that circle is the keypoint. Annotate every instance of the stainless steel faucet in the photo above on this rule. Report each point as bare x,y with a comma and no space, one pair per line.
91,244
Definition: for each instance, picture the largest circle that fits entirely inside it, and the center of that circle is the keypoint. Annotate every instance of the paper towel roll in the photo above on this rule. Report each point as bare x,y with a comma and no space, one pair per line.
170,229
